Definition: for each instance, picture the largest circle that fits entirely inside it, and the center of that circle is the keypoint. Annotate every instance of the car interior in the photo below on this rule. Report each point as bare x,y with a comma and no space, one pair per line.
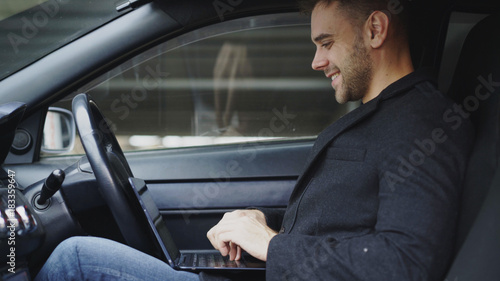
85,192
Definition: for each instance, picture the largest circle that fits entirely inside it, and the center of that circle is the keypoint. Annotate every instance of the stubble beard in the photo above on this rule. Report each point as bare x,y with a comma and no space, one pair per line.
356,75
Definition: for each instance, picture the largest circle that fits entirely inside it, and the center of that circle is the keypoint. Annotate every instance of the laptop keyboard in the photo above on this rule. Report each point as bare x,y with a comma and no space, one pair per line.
214,260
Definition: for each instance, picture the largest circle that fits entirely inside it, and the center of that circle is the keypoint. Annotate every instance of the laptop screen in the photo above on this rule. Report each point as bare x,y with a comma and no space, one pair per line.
155,220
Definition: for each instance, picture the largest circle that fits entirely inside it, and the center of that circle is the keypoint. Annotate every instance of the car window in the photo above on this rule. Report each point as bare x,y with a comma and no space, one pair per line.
237,81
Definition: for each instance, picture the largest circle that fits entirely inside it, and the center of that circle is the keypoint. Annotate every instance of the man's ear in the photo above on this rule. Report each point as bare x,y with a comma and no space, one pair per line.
377,27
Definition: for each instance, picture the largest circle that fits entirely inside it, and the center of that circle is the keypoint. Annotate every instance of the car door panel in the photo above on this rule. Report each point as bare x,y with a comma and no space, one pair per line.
193,194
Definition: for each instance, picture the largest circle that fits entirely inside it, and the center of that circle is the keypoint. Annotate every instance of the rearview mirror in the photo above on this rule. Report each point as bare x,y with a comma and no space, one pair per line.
59,131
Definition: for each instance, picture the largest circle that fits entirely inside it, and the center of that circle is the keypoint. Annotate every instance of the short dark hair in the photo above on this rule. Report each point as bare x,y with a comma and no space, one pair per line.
360,10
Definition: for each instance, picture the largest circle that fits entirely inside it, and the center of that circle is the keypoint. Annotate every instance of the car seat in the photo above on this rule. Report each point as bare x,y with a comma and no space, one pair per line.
476,87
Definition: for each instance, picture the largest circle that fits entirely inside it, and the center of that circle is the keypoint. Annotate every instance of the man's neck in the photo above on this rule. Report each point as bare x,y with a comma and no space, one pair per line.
388,68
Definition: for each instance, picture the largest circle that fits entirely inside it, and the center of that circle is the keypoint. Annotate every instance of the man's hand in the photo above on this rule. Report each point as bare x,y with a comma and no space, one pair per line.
242,229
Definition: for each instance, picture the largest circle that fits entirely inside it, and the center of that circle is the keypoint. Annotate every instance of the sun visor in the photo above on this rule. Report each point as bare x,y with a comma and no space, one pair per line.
10,116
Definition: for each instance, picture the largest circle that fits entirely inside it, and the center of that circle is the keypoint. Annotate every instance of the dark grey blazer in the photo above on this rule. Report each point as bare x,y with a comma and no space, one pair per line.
378,199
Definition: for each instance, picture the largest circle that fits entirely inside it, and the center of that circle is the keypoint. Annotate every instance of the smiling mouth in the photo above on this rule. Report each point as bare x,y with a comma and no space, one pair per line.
334,76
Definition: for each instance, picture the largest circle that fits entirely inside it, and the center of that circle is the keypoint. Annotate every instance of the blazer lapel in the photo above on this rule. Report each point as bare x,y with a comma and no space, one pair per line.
330,133
347,121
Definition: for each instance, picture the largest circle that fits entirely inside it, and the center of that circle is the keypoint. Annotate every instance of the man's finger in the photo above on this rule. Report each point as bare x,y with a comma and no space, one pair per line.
224,248
233,251
211,237
238,253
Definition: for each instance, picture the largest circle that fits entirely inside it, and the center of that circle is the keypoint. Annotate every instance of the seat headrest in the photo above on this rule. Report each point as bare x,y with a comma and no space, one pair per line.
478,69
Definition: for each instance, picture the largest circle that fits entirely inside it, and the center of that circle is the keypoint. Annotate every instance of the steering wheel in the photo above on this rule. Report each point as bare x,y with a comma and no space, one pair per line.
112,173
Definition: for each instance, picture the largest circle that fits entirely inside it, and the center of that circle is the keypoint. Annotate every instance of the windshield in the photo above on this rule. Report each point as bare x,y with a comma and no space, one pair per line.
31,29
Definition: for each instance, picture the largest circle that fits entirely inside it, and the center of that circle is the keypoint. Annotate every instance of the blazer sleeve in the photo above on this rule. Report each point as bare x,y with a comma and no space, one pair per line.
418,196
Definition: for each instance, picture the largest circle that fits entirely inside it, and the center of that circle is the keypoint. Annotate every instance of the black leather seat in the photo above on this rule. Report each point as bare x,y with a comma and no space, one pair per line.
476,86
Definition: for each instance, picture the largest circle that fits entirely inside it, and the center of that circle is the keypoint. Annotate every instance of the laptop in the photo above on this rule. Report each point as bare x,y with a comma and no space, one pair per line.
191,260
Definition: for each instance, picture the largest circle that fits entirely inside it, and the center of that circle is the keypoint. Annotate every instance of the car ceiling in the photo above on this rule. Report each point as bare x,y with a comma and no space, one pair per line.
200,12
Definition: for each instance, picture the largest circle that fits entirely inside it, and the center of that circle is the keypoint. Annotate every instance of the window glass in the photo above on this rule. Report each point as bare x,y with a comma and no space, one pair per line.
240,81
31,29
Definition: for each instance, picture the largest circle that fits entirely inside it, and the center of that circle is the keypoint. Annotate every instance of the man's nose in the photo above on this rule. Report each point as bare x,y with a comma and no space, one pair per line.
319,62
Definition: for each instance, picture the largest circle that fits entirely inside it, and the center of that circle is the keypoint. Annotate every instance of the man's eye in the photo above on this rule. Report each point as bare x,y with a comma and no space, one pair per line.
326,45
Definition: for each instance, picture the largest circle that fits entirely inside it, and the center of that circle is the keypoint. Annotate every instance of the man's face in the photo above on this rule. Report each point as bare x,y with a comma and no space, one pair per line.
340,52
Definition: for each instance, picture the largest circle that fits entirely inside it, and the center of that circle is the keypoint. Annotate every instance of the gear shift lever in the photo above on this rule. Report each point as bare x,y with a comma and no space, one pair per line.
51,185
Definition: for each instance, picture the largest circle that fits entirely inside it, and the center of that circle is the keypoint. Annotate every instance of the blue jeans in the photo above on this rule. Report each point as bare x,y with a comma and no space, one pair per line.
90,258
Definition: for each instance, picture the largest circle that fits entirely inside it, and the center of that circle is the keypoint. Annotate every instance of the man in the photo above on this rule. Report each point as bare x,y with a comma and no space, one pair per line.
378,199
